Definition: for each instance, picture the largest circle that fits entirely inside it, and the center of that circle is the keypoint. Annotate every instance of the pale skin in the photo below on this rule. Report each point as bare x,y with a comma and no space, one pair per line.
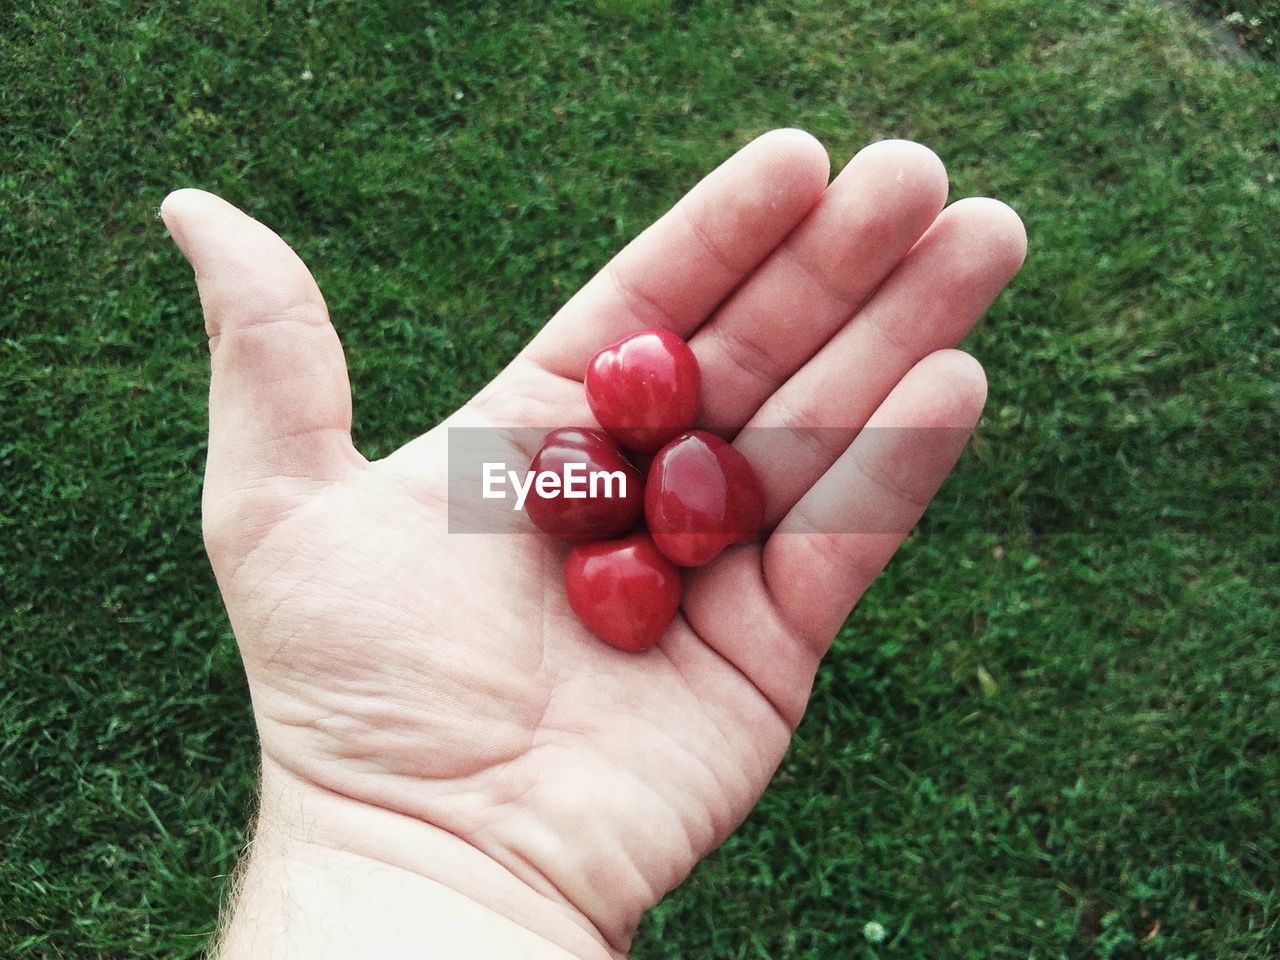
451,765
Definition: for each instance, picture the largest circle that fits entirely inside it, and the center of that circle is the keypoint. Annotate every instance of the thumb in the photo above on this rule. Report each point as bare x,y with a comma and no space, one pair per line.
279,398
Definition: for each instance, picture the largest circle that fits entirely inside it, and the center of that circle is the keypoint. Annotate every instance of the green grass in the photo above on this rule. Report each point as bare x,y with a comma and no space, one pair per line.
1252,25
1052,730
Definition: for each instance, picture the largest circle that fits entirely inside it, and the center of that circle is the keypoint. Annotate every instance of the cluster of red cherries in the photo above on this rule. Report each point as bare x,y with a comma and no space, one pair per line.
699,494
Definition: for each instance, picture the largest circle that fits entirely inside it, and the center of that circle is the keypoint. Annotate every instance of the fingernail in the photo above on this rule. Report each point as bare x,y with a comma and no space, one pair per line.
171,213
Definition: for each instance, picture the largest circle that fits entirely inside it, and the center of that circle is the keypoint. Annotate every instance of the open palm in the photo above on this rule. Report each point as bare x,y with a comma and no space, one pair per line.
437,681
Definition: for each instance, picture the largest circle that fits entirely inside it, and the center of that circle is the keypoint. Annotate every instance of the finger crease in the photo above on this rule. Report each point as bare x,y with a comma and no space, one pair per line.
901,344
701,235
749,357
843,298
885,485
810,434
642,306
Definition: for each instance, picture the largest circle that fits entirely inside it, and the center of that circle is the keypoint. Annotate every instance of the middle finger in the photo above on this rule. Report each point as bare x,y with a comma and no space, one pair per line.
867,220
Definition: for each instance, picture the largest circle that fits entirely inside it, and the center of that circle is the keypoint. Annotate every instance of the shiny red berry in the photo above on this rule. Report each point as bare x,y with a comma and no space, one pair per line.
598,496
701,495
644,389
624,591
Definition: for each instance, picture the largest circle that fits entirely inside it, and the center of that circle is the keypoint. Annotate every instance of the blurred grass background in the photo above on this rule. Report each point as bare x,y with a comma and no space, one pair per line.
1051,730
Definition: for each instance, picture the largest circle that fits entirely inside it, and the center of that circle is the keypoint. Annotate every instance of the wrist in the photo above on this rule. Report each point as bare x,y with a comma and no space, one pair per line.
328,876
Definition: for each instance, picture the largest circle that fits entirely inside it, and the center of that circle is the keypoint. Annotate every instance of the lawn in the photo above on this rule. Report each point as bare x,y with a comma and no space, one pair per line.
1052,730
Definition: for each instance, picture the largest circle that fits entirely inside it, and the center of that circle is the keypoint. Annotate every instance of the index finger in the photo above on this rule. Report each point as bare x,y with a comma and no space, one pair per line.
675,273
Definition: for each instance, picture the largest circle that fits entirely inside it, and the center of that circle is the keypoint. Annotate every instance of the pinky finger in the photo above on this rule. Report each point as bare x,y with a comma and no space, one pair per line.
832,544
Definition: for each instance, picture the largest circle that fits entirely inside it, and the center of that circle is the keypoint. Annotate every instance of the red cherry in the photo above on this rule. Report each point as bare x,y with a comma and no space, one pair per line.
597,517
624,591
701,496
644,389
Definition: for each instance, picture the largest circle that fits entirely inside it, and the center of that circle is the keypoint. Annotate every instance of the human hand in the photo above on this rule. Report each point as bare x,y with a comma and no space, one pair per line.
427,702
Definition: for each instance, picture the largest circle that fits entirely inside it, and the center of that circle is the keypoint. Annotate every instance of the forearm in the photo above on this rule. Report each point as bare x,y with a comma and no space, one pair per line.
304,892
